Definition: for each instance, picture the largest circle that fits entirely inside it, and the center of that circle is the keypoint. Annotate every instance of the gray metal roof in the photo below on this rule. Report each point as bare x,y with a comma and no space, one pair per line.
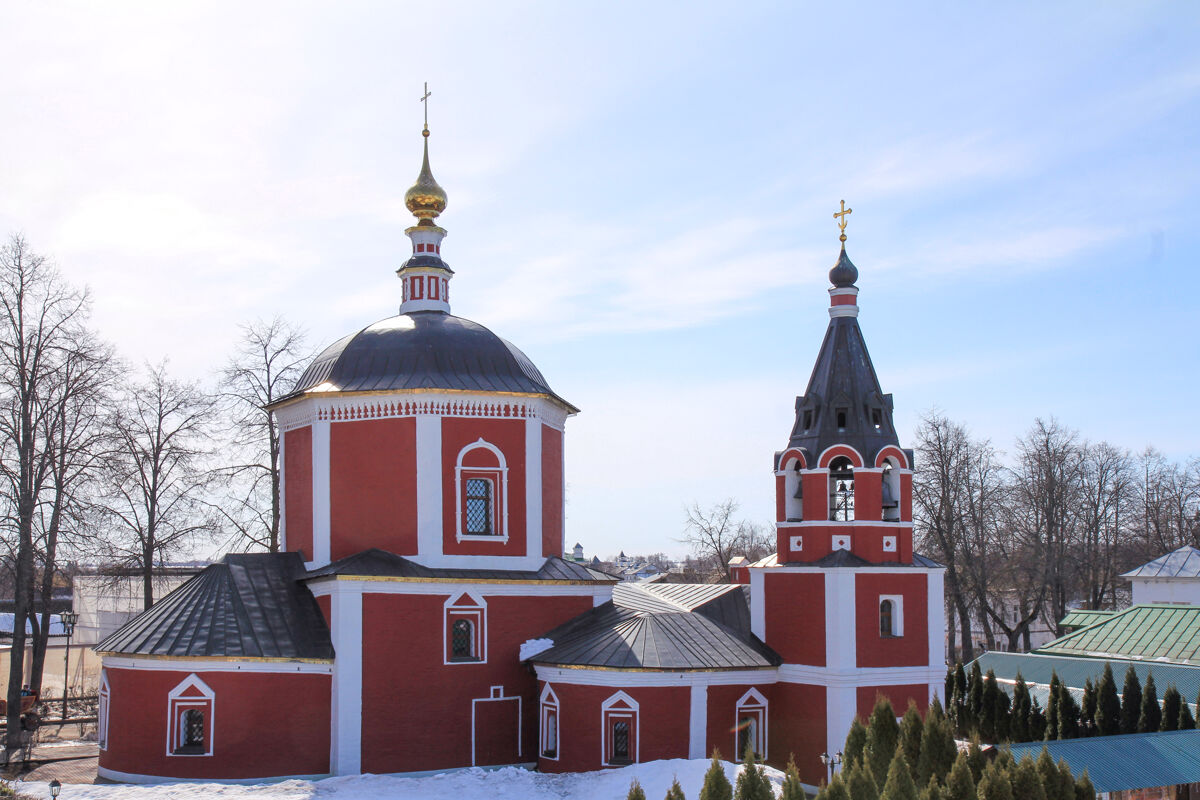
376,563
1131,761
248,605
662,626
1181,563
424,350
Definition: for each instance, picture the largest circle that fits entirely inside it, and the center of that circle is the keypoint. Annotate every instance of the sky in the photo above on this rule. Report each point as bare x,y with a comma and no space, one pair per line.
640,198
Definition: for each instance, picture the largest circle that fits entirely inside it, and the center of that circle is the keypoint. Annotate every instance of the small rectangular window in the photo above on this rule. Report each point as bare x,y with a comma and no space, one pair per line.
876,418
841,419
479,507
807,420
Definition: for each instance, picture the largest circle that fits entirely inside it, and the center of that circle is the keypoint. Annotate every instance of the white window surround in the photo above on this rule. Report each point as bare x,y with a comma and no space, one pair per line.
619,707
548,739
178,702
752,703
102,711
475,611
897,613
499,478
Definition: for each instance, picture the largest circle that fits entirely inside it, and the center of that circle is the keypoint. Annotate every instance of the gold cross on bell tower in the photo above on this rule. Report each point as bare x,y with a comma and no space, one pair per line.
840,216
424,101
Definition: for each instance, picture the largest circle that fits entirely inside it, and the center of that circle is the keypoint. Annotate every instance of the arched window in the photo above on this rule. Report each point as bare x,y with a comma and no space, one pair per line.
841,490
751,724
102,712
885,618
479,507
190,709
481,478
549,744
462,639
619,718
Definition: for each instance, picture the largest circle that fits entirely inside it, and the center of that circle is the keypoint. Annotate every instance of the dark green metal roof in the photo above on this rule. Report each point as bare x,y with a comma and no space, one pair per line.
1145,632
1082,617
1133,761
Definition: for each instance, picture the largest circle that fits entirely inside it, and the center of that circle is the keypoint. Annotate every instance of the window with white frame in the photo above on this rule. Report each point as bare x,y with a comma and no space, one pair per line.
190,711
549,724
102,711
619,730
891,616
750,723
481,485
465,630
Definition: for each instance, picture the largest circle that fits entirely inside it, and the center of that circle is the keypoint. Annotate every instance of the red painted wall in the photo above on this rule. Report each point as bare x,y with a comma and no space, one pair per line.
297,470
795,616
780,500
909,650
898,695
417,711
816,495
662,723
248,712
552,492
797,727
373,486
868,496
509,436
722,717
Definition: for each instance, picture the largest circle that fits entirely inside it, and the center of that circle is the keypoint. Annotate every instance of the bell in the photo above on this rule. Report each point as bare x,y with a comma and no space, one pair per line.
799,495
841,486
888,500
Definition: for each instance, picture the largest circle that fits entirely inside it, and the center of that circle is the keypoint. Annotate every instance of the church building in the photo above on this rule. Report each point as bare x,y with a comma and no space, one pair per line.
421,617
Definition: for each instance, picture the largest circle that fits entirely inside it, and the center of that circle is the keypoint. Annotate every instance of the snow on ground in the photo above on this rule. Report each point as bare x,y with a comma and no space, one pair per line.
509,783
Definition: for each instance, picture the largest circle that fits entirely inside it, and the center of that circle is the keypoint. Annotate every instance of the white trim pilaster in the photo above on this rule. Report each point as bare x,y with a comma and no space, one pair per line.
758,607
282,491
533,488
698,721
429,485
841,705
346,611
320,492
935,607
841,640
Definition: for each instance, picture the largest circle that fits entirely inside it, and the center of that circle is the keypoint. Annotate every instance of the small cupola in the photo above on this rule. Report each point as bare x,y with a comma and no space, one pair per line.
425,276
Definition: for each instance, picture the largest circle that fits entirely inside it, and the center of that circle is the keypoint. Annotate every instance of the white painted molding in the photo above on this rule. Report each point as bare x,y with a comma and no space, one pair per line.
397,403
321,508
134,777
841,645
935,604
496,695
519,563
345,757
698,721
856,524
429,484
533,488
332,588
841,707
618,678
150,663
758,604
866,676
843,311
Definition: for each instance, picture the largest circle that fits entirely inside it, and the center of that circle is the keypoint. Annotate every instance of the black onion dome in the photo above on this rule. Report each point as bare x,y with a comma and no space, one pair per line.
424,350
844,273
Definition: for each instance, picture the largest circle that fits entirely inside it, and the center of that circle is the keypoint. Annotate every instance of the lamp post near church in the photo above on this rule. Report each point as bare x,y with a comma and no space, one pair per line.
69,618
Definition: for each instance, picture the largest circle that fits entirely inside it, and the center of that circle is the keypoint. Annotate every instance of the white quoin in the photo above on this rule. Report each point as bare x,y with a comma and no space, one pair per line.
426,288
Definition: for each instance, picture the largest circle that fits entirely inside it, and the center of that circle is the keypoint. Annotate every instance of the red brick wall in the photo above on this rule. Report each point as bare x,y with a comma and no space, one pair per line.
297,472
797,728
552,492
509,436
373,486
909,650
795,616
898,695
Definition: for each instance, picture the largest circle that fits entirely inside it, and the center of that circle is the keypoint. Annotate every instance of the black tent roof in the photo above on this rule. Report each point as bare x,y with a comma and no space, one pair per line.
249,605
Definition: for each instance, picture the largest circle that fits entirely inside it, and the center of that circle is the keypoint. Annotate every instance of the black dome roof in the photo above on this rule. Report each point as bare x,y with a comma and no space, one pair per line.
424,350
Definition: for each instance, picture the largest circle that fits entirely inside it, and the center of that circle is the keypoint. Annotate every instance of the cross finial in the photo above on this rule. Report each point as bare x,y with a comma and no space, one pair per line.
840,216
425,99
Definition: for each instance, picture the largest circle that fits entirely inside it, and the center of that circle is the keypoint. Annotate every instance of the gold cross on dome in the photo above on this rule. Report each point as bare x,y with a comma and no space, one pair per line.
840,216
424,98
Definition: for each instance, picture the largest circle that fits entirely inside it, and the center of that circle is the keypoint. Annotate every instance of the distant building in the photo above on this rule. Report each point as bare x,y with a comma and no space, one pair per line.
1173,578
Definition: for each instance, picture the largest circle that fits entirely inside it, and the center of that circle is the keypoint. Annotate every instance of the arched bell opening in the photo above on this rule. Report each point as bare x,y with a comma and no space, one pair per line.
891,490
793,489
841,490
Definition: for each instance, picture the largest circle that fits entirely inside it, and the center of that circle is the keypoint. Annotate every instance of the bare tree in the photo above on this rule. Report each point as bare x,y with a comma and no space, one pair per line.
41,323
270,356
159,479
1107,499
715,536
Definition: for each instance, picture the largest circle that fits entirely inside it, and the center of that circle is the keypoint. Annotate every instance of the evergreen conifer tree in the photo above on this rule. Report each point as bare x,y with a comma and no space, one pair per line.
1037,722
960,784
1018,723
1087,710
1049,774
938,749
958,701
911,730
1150,720
1084,790
994,784
949,691
1131,701
792,789
1171,706
822,793
1002,713
856,743
932,790
1066,781
837,790
676,791
976,761
883,734
935,709
752,783
974,698
1186,721
861,782
1108,705
899,784
1068,714
1027,782
716,785
1053,706
635,791
988,706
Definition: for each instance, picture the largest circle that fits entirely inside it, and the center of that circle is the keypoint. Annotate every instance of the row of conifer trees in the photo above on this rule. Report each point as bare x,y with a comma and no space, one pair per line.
979,707
915,759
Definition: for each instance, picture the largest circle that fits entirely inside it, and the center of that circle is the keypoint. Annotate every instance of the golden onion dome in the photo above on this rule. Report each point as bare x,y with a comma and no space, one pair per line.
425,199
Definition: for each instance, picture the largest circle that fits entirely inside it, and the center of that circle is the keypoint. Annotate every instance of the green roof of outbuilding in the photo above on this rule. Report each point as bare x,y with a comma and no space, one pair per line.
1168,633
1133,761
1082,617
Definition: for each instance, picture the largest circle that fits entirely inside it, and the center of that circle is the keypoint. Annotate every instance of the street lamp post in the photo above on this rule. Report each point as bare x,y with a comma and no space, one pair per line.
69,618
831,763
